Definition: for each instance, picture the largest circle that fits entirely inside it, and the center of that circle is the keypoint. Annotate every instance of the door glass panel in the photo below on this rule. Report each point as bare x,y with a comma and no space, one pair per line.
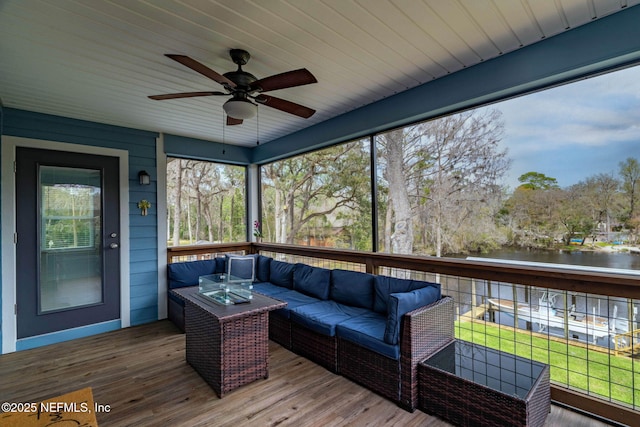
70,238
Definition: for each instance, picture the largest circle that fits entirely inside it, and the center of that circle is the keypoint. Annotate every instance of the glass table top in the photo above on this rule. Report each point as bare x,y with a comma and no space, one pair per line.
225,289
510,374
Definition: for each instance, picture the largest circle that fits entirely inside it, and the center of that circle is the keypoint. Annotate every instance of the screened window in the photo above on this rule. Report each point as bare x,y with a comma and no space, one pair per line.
552,172
206,202
439,184
321,198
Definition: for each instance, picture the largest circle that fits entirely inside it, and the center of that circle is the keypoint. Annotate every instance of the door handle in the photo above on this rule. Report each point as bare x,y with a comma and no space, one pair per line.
113,246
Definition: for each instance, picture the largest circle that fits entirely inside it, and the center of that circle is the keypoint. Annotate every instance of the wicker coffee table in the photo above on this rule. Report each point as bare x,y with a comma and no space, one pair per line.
228,345
468,384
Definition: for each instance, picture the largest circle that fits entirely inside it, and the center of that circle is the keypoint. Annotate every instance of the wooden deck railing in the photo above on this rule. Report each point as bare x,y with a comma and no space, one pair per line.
610,284
198,252
619,285
583,282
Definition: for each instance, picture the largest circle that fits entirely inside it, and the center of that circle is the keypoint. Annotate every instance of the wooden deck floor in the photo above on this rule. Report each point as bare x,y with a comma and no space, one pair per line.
141,373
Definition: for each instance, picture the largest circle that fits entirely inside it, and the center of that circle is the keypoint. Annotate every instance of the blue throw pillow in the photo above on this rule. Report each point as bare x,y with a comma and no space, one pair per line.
352,288
401,304
281,274
385,286
263,268
243,267
312,281
183,274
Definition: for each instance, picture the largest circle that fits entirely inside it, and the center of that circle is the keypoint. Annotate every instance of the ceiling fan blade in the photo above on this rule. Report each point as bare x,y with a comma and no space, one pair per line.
233,121
184,95
286,106
202,69
284,80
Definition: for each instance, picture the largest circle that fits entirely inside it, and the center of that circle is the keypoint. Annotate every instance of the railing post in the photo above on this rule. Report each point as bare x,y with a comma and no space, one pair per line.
371,267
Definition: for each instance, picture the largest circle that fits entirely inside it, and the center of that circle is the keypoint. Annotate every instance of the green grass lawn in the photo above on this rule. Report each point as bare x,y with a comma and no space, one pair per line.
598,374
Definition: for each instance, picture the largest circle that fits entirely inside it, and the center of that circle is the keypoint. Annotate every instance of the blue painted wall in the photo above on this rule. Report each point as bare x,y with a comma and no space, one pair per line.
141,146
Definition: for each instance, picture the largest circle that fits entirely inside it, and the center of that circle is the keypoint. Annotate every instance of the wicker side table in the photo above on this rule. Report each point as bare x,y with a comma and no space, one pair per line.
228,345
468,384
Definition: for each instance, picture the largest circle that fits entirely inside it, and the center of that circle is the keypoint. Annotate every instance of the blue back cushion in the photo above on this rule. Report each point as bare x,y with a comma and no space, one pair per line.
183,274
352,288
385,286
221,264
401,304
281,274
312,281
263,268
243,267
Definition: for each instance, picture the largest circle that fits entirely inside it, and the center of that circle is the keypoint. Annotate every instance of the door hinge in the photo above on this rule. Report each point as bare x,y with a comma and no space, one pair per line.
15,309
15,166
15,238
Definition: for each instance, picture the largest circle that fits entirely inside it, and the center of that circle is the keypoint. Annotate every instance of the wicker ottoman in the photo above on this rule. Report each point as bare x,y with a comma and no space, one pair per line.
471,385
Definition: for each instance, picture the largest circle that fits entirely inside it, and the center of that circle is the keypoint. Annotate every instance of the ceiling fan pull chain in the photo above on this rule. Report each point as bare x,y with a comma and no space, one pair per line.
223,127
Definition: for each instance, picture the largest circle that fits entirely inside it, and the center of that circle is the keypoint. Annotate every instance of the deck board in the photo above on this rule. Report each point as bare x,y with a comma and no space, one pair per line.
141,373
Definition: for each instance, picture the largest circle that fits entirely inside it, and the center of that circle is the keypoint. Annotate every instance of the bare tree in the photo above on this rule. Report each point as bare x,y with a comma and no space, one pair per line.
630,173
439,174
467,166
603,198
575,214
534,215
396,144
174,182
197,197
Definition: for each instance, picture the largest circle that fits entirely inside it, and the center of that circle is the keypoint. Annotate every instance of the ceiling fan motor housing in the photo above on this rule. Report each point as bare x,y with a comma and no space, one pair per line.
242,79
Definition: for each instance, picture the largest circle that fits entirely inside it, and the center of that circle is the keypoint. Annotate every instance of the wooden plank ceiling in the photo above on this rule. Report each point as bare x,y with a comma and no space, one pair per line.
99,60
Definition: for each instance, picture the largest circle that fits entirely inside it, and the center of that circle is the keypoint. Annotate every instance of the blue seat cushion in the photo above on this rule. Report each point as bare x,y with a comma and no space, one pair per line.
352,288
385,286
268,288
313,281
294,299
322,317
183,274
367,331
281,274
401,304
263,268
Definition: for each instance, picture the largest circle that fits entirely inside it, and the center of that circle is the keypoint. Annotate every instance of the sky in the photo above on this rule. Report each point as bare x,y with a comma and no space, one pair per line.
574,131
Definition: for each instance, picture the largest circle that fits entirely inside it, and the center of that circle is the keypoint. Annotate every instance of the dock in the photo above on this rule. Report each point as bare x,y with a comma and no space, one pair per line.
627,344
476,312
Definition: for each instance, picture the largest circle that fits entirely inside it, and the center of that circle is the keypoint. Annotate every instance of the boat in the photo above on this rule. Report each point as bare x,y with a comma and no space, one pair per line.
547,316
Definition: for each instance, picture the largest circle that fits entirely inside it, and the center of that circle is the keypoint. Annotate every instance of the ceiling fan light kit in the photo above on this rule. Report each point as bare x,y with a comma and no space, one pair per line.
244,87
240,108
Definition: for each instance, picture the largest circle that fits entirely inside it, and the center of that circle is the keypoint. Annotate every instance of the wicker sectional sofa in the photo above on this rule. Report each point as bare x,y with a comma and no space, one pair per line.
369,328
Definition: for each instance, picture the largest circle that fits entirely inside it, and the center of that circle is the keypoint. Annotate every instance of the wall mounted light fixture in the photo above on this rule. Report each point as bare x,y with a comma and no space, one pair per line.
144,178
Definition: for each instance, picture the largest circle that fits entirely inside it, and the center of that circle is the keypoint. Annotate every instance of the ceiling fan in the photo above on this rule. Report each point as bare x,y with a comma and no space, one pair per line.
244,87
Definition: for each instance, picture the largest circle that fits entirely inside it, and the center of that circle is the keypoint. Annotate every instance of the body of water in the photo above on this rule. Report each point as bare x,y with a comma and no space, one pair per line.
617,260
